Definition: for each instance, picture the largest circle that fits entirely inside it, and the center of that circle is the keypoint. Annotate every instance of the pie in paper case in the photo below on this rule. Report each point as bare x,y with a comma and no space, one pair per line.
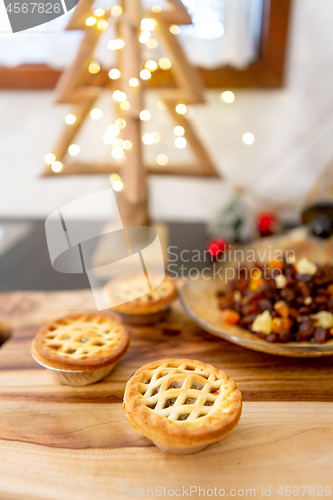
133,302
87,345
131,291
182,405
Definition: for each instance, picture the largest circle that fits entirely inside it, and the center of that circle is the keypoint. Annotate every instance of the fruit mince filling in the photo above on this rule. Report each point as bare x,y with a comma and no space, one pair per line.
281,302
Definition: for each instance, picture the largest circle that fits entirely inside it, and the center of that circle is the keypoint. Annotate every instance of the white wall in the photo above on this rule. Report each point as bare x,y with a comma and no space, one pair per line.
293,130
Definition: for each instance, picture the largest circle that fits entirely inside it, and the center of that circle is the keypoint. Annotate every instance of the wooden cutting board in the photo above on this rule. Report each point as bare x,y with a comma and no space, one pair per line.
60,442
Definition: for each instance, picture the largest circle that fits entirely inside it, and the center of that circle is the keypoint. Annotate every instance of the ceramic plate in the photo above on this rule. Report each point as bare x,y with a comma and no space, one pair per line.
199,300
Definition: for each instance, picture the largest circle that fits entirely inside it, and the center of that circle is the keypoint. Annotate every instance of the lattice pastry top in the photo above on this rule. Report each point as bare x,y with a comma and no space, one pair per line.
131,291
83,342
182,403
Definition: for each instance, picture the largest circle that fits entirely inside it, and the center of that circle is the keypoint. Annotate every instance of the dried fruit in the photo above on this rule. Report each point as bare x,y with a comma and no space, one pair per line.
255,283
247,320
281,324
305,310
287,294
290,259
306,329
323,318
305,266
282,308
224,302
320,335
281,281
276,264
229,316
294,306
263,323
320,300
265,304
272,337
285,336
303,288
250,308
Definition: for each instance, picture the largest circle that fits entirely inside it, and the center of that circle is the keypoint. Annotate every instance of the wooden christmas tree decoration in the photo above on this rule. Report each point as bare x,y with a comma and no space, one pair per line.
78,87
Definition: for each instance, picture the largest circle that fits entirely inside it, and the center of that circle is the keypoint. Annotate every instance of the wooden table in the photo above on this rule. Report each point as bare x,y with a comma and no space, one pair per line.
60,442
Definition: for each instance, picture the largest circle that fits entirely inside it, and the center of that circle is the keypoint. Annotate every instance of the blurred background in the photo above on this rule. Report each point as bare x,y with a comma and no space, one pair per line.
262,117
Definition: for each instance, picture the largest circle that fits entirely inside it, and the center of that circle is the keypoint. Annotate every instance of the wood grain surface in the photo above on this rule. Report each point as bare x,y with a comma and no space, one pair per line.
61,442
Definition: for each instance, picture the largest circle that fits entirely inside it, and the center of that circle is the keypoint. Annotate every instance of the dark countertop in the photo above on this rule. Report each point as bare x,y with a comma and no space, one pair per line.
26,264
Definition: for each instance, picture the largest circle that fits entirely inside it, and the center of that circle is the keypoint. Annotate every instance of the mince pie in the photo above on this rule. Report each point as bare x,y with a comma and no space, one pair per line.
87,345
182,405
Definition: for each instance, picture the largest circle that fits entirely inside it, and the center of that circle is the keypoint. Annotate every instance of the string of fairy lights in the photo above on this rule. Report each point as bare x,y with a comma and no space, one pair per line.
110,137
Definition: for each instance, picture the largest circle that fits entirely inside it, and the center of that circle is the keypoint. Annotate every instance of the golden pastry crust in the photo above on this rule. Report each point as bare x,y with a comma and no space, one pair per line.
131,290
182,403
81,342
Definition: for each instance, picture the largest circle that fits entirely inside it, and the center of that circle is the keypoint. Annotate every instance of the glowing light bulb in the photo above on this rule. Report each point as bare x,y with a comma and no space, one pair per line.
118,143
113,178
109,138
57,166
94,67
49,158
180,142
152,43
102,24
181,109
179,130
127,144
119,96
174,29
116,11
164,63
151,65
156,9
145,115
117,153
114,74
162,159
147,24
96,113
161,105
145,74
118,185
148,139
228,96
90,21
120,123
144,37
133,82
116,44
248,138
99,12
112,129
157,137
70,119
74,149
125,105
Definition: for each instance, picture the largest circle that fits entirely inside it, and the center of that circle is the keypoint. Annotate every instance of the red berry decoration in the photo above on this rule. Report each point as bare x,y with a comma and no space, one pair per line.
267,223
216,246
